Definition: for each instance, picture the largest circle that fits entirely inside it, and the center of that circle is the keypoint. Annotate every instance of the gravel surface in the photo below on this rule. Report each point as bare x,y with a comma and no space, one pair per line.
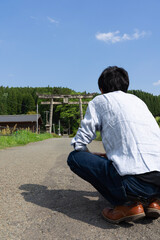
40,198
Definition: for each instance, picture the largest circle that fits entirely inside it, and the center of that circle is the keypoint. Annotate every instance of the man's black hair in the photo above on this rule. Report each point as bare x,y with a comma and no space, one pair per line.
113,79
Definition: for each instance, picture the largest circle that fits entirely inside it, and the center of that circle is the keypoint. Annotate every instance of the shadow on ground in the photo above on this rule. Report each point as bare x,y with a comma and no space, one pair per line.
84,206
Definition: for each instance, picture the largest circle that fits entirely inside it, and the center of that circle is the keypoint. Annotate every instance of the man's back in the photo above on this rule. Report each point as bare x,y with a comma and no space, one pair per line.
130,133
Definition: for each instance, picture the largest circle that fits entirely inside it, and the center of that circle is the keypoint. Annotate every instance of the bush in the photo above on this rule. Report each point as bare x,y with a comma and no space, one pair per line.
158,120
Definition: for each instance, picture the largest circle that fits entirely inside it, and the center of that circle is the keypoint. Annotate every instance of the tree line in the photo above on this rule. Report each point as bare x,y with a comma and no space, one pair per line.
23,100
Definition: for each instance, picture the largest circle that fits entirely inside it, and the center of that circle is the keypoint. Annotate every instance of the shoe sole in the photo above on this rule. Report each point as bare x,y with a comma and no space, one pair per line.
152,212
126,219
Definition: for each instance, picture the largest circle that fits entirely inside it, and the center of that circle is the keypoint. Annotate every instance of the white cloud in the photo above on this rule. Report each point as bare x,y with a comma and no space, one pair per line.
52,20
11,75
32,17
156,83
114,37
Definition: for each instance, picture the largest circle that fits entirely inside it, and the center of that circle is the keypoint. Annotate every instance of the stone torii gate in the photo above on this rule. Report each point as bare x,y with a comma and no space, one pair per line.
65,100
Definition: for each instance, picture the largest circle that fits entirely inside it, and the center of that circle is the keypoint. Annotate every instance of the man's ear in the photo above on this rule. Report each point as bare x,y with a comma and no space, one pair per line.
101,90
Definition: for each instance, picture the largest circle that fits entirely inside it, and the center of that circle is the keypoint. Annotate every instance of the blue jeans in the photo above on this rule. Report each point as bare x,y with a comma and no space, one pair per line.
100,172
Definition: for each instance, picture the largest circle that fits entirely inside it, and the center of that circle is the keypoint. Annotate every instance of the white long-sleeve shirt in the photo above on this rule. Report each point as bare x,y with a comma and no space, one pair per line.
130,134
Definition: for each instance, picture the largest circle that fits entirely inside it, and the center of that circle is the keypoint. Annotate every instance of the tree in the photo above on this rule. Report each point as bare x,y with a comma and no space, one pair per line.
3,101
28,103
12,102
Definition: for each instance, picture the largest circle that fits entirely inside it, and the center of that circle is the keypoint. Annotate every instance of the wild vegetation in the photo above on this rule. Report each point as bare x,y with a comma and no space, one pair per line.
24,101
158,120
22,137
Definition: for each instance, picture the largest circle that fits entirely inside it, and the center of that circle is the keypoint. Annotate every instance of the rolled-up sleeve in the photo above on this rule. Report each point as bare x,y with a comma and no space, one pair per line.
89,125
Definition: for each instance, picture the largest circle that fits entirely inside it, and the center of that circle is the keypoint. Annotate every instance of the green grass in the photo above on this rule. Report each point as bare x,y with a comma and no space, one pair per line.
98,136
23,137
158,120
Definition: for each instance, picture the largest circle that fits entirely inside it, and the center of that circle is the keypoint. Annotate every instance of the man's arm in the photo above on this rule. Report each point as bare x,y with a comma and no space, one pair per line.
87,132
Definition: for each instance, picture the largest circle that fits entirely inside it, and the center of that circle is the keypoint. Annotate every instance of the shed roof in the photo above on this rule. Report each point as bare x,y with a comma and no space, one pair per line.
19,118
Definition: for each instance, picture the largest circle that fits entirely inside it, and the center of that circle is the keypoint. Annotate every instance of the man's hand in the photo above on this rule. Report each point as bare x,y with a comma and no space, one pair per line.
97,153
100,154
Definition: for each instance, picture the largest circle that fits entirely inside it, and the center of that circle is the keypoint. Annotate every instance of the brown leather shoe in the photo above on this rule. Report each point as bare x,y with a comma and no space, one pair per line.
153,209
124,213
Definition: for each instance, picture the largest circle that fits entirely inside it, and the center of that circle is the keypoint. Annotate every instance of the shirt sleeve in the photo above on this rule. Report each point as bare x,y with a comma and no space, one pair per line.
87,132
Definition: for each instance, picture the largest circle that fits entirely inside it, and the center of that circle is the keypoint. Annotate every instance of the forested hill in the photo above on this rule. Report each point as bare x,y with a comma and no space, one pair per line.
20,100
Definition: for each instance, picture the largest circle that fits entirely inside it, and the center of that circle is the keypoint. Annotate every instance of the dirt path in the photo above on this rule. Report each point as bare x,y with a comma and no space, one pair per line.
41,199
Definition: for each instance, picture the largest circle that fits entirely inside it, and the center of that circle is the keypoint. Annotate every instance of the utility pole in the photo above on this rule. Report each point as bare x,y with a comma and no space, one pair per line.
69,127
54,128
51,115
37,118
59,129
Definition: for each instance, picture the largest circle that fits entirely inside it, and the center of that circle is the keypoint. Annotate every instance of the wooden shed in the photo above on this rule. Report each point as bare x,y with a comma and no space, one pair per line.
21,121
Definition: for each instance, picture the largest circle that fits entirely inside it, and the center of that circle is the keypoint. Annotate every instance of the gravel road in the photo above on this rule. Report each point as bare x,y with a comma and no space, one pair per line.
40,198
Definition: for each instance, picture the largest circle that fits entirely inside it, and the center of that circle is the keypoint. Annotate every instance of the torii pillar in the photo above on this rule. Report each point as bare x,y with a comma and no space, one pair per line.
81,109
51,116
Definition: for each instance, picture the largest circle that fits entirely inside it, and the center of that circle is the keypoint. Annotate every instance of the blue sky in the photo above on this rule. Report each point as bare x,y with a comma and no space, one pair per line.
68,43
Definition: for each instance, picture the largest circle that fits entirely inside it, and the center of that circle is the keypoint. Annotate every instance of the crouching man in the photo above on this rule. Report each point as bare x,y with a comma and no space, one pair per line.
128,173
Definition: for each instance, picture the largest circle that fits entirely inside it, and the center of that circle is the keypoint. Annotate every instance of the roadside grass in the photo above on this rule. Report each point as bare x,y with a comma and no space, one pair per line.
23,137
98,136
